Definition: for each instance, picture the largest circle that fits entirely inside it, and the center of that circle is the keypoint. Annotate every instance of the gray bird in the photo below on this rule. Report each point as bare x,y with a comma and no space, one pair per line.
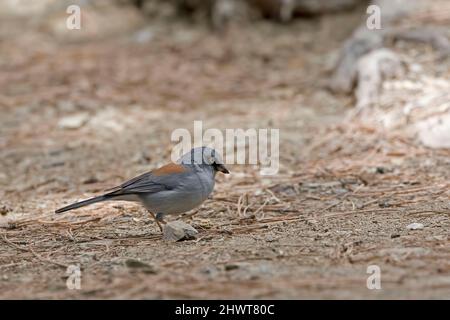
172,189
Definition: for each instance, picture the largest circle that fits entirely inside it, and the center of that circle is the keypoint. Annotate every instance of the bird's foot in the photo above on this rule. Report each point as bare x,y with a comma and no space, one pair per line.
158,219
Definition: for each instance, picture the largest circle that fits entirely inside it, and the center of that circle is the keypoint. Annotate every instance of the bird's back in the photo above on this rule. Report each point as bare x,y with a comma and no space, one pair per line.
184,194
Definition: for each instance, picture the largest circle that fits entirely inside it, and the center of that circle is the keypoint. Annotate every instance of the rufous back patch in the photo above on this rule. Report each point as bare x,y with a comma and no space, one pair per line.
168,169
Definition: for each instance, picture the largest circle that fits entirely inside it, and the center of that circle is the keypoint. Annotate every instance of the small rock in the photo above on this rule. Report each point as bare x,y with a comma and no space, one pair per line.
229,267
142,266
384,204
73,122
414,226
4,209
178,230
380,170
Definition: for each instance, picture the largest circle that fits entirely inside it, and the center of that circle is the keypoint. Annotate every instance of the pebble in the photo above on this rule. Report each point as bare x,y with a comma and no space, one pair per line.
73,122
178,230
142,266
5,209
414,226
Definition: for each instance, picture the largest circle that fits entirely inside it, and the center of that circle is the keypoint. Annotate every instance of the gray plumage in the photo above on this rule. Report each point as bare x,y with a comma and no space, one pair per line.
171,189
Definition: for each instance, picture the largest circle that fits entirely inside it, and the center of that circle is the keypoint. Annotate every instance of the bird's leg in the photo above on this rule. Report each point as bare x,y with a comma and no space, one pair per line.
156,220
160,218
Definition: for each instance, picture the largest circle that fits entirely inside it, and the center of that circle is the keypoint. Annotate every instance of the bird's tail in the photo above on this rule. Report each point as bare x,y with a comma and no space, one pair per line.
83,203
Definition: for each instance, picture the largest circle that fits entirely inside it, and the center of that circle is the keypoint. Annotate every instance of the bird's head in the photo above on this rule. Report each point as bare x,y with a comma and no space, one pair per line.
204,156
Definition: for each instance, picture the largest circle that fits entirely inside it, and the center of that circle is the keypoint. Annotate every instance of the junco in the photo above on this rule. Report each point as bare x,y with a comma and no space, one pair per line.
172,189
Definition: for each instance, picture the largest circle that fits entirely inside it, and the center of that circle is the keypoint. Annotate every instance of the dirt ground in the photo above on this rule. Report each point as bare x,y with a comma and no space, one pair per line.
341,202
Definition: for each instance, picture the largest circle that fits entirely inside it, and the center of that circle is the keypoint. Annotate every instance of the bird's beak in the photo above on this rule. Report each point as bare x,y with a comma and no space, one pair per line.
220,167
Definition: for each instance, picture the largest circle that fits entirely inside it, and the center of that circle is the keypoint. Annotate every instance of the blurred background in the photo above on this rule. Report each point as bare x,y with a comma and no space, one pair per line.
364,119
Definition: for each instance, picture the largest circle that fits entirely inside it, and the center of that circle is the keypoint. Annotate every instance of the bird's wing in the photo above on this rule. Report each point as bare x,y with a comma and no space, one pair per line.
164,178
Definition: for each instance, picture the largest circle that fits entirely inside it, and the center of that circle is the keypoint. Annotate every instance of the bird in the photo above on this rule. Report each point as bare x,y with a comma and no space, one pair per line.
172,189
